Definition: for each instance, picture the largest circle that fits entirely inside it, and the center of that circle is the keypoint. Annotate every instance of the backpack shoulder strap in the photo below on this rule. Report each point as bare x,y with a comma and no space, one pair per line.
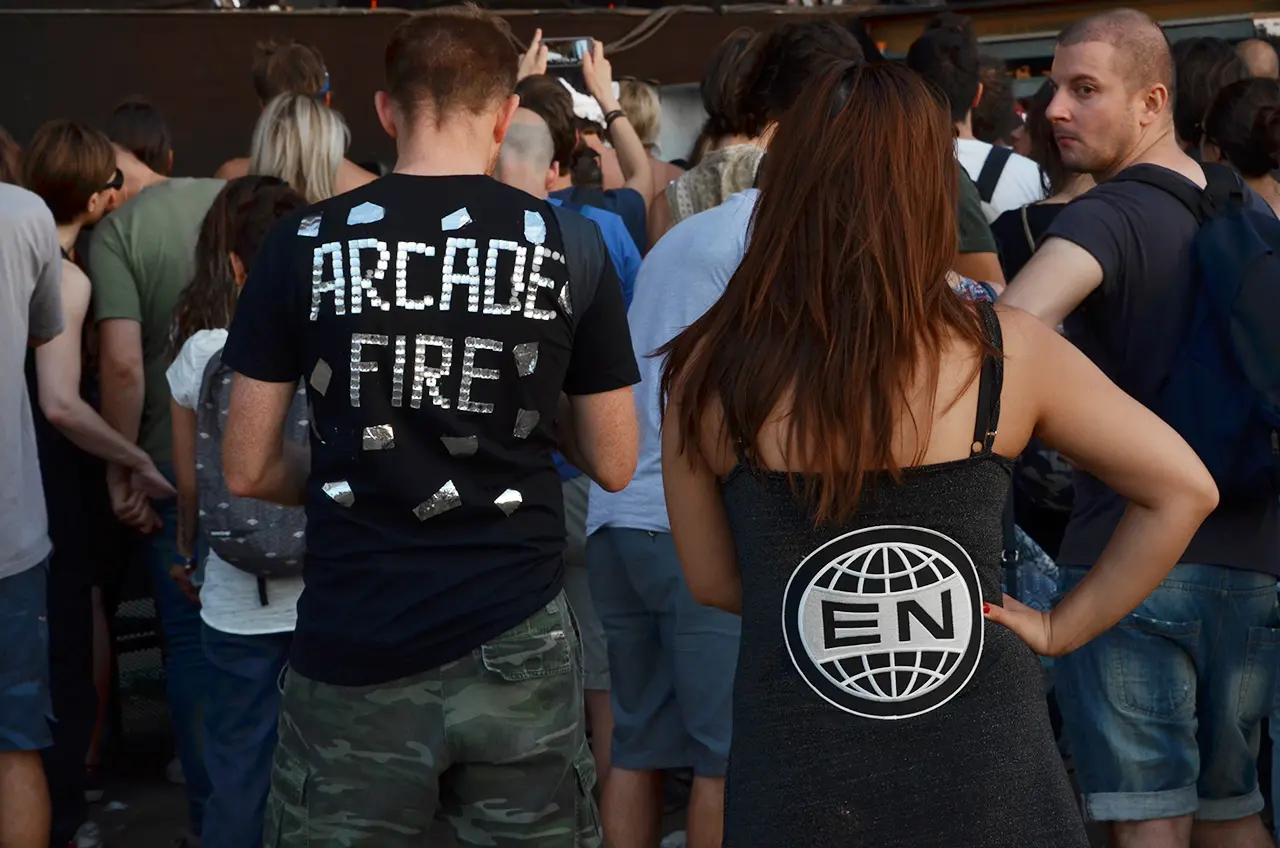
584,256
207,385
1223,190
992,168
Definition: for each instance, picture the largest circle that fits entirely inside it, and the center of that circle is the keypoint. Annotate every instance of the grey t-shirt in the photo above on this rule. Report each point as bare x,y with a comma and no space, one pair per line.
30,308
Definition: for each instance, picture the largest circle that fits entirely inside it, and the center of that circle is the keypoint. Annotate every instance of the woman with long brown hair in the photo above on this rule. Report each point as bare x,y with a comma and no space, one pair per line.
836,460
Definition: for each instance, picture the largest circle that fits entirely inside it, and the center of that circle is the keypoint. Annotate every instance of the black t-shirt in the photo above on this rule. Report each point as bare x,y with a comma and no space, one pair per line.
1131,327
434,512
1011,232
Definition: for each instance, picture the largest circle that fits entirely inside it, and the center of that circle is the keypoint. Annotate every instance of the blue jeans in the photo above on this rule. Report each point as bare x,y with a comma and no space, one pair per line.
240,732
186,670
26,705
672,661
1163,712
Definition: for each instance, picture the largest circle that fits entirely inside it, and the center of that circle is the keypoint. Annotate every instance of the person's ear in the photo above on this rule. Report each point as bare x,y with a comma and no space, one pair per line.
1210,152
1155,103
387,111
505,114
238,269
169,167
977,98
553,174
328,99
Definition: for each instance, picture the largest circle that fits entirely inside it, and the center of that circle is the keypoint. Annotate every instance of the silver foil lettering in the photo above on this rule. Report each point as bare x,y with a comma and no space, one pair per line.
430,376
358,365
451,277
403,249
471,372
512,306
320,286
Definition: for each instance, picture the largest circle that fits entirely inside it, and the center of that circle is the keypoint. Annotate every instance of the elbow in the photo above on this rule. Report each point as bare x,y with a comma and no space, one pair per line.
59,411
1203,494
241,482
616,475
716,597
123,372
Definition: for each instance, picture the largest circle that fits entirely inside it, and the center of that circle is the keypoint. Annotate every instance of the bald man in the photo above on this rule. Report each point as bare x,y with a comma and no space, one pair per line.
1163,723
527,162
1260,57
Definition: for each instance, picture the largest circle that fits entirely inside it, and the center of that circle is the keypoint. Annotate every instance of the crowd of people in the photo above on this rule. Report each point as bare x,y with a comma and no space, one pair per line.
901,447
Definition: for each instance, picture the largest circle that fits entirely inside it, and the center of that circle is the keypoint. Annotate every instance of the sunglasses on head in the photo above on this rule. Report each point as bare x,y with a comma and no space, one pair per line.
117,181
324,89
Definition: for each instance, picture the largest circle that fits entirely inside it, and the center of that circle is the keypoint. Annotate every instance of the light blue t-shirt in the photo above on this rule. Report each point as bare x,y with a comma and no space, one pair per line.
683,275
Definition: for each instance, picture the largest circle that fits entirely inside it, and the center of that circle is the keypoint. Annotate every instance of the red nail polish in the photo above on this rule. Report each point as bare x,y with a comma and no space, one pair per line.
986,608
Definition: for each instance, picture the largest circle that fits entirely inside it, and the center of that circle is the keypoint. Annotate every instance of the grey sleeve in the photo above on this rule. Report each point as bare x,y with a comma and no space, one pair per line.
45,320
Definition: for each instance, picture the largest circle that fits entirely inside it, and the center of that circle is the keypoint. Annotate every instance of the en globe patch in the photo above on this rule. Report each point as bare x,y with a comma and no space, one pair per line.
885,622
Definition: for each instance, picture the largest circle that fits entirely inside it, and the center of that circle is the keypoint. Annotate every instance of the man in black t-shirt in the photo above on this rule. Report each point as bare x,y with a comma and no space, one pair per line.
1162,711
452,333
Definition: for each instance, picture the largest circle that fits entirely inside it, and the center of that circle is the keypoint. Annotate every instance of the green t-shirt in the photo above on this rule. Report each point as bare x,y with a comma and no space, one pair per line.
975,232
140,259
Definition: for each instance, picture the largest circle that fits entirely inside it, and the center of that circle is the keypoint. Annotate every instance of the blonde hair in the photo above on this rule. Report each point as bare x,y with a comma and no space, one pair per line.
301,141
643,106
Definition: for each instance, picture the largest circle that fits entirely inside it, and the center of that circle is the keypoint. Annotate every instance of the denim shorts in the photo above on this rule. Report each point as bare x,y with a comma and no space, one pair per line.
26,705
1163,712
672,659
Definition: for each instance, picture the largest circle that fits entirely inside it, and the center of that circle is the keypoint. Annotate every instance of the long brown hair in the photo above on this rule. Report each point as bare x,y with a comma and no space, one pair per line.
842,295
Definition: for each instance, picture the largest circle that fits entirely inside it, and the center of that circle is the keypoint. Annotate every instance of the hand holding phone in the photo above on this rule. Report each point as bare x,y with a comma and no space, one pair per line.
567,52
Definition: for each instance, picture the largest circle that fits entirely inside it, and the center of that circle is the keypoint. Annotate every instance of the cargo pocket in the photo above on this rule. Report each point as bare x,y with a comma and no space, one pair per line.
538,647
1258,682
287,823
589,834
1152,667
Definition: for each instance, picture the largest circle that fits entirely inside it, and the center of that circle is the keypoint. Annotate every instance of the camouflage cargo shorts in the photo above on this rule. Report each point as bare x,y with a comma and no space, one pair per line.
490,748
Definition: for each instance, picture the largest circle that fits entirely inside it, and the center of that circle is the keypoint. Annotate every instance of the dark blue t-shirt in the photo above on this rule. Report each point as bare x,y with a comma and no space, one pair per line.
1131,327
432,320
626,203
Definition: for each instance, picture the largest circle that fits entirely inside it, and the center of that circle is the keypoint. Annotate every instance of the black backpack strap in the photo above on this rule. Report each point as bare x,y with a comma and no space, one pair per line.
989,177
1223,189
585,256
990,382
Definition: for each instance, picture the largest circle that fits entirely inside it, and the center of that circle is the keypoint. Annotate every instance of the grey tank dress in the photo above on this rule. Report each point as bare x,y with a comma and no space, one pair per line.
874,706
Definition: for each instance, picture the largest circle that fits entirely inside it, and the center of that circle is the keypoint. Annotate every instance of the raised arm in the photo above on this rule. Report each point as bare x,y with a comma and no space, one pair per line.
633,159
1110,435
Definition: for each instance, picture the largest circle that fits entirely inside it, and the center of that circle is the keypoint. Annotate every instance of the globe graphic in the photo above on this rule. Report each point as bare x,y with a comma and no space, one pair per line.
880,571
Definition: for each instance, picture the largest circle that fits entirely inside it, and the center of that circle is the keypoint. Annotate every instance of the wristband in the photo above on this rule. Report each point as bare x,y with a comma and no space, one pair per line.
613,116
186,562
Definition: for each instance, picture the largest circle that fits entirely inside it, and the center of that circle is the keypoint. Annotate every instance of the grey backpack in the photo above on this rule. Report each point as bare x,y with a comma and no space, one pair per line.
260,538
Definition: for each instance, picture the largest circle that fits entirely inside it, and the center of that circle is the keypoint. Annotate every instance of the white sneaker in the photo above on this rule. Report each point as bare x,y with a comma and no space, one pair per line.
674,840
174,772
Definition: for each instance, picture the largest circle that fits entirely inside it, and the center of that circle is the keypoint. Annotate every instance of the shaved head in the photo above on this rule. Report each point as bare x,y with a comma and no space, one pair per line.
529,140
528,151
1142,51
1260,57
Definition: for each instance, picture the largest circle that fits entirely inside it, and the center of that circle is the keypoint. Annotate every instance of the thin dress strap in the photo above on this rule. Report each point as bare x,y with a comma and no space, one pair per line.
987,420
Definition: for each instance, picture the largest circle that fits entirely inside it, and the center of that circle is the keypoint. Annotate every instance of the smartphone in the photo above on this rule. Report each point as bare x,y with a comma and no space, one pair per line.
567,52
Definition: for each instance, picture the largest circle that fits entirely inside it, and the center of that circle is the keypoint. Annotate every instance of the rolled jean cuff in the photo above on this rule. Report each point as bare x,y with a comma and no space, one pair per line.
1231,809
1141,806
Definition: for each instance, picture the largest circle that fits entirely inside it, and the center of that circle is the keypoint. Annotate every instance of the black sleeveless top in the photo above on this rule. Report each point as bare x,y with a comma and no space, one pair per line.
874,705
